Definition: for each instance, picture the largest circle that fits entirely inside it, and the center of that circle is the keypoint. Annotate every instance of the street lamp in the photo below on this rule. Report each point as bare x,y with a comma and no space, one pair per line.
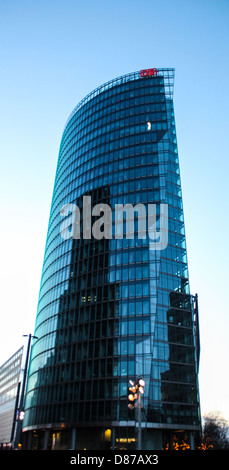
20,412
137,389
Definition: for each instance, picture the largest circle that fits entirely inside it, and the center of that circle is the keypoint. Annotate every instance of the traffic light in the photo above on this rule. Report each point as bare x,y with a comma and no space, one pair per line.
141,385
135,390
132,396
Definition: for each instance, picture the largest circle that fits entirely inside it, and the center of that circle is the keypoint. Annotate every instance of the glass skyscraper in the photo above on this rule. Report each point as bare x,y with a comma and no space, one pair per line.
116,308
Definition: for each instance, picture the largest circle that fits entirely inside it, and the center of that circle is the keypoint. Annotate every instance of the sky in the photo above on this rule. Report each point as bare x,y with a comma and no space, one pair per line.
52,53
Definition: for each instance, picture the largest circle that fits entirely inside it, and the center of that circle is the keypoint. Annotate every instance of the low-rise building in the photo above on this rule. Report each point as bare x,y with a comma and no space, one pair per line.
10,374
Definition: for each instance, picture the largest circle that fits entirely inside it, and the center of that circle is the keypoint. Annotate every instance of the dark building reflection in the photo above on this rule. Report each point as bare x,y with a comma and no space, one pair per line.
179,400
78,385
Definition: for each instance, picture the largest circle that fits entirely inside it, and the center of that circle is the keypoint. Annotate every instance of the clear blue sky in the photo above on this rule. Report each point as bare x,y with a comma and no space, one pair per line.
52,53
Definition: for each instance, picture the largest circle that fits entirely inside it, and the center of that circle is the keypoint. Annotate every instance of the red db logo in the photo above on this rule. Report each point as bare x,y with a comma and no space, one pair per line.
148,72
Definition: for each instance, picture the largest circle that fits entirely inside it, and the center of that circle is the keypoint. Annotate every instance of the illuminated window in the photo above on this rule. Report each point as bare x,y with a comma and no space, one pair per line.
107,435
148,126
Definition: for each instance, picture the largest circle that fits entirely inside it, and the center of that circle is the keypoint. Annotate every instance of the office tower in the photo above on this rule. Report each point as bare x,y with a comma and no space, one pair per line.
117,307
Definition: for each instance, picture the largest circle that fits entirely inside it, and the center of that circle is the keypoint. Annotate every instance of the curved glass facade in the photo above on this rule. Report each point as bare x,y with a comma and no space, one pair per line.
114,309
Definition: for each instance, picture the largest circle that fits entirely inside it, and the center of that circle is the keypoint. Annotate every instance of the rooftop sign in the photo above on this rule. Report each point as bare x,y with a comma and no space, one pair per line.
148,72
